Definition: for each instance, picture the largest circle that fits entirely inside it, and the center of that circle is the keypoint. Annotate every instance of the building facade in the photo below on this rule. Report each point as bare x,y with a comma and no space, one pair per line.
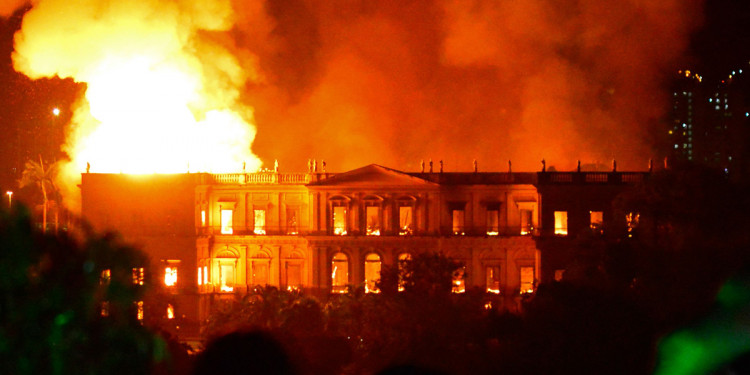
214,236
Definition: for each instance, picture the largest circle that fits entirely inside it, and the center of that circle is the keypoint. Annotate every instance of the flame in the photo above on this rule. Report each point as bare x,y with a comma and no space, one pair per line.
163,83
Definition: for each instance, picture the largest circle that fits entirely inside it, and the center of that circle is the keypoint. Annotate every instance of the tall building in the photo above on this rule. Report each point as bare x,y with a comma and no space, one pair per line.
213,236
710,121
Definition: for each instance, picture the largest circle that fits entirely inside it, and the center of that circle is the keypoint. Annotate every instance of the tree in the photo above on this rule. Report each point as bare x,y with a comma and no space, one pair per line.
68,305
44,179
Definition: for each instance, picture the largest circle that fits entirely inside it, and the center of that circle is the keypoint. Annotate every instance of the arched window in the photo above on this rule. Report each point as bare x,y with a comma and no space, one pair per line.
339,273
372,272
403,259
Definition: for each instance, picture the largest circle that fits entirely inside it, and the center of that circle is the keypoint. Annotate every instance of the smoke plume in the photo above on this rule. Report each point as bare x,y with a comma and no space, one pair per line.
390,82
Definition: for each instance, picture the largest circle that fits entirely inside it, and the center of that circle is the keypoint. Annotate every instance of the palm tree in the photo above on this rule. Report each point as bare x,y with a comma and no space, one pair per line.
35,174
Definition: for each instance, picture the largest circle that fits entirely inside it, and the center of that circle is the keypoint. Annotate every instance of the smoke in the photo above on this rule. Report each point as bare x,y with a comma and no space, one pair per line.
398,81
392,82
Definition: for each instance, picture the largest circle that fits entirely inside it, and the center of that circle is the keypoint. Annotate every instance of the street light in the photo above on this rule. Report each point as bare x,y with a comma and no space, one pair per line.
10,198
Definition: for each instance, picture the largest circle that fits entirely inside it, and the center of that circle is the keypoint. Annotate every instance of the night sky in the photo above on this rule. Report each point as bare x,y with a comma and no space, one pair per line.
717,47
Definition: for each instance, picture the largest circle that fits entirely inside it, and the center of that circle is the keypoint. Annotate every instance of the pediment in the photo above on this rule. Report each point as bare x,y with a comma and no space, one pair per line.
375,176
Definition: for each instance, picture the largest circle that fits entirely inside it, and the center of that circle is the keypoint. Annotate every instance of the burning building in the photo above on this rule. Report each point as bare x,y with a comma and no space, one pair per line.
213,236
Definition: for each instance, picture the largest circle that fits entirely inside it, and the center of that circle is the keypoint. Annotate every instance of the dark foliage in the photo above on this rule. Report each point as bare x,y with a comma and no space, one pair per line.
51,299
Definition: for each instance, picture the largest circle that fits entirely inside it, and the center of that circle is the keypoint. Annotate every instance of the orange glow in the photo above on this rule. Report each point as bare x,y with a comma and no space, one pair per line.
161,95
170,312
170,276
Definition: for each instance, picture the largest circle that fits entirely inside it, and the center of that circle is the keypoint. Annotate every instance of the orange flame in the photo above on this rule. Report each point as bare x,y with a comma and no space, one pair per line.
163,84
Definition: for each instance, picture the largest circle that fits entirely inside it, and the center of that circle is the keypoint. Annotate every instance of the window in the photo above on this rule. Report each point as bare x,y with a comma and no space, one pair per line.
493,225
203,218
139,310
170,311
632,219
372,272
200,276
596,221
459,284
260,268
105,277
138,276
291,221
226,221
205,275
527,225
293,276
561,223
458,222
226,277
259,222
492,278
527,280
170,275
339,220
105,309
372,214
339,273
403,260
405,220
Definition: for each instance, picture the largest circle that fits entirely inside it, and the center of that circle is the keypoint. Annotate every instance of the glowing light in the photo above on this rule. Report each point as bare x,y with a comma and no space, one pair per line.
493,290
170,276
225,288
170,312
495,233
10,197
56,111
139,312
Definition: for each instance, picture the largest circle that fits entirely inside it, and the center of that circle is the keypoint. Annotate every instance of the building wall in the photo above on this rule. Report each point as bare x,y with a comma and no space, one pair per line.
177,219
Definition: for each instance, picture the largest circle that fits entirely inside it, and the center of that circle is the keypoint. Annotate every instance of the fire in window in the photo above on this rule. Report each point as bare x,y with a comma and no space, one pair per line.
339,273
291,221
138,276
492,276
596,221
527,280
105,309
203,218
293,276
405,220
632,219
403,263
459,284
205,275
527,224
226,221
493,220
259,222
139,310
561,223
226,277
458,222
105,277
170,311
373,220
170,275
200,276
339,220
372,273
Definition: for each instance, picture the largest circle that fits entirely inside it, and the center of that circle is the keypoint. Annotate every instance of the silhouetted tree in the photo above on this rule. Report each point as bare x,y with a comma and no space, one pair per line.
68,306
44,179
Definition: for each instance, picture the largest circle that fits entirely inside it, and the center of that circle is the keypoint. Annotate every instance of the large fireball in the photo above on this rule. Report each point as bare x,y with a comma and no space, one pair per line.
162,87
